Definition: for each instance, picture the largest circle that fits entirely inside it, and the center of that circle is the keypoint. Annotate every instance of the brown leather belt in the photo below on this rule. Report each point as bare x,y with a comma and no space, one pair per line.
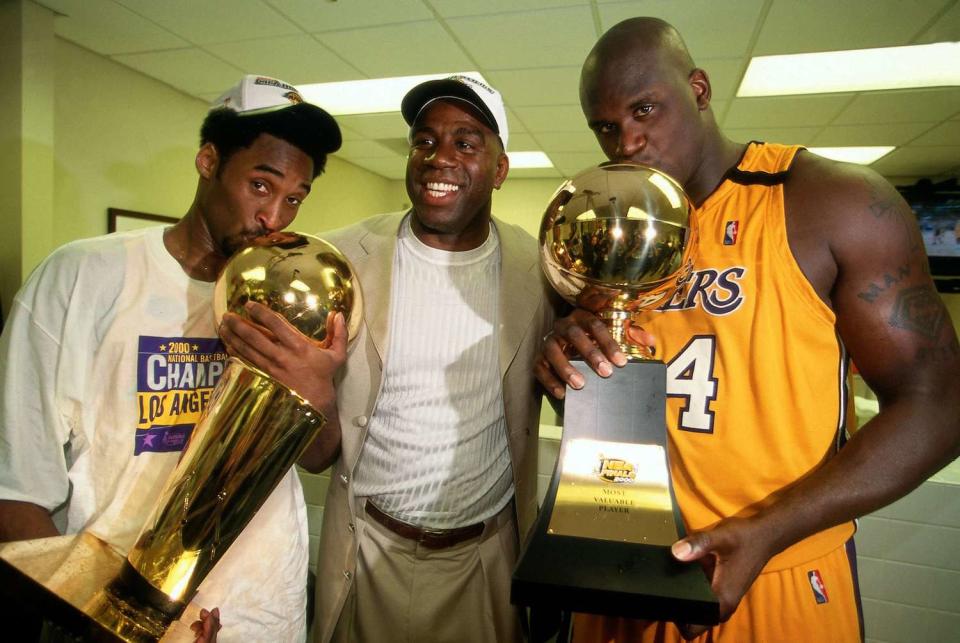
430,538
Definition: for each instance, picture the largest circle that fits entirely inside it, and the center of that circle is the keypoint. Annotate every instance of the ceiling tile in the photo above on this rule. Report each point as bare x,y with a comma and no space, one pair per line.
107,28
711,29
295,59
523,142
394,169
875,134
579,141
556,86
235,19
724,75
387,125
190,70
920,161
549,38
947,133
456,8
570,163
315,15
514,123
785,135
828,25
552,118
946,29
399,50
922,105
798,111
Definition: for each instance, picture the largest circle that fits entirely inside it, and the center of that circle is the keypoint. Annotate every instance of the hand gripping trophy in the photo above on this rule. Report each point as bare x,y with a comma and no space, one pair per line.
617,240
252,432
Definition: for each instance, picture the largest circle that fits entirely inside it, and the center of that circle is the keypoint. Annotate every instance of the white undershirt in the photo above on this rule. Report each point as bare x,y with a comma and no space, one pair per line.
436,452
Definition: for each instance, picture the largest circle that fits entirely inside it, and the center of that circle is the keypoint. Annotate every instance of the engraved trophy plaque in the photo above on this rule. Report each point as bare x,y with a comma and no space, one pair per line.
616,240
252,432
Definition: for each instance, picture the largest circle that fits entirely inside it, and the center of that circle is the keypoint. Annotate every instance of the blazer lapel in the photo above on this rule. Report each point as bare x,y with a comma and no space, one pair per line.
375,269
520,290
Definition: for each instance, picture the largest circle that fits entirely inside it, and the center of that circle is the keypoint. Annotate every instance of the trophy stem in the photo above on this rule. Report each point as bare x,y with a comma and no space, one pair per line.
617,323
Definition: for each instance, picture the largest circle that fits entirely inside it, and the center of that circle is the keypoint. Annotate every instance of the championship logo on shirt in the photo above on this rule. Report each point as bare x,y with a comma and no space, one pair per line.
175,377
816,584
730,233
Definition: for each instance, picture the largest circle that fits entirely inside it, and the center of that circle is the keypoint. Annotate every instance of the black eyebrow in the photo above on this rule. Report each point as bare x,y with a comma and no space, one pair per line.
269,169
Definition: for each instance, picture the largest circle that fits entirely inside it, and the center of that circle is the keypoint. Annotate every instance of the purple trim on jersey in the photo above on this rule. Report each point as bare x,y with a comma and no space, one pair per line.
851,550
162,439
844,394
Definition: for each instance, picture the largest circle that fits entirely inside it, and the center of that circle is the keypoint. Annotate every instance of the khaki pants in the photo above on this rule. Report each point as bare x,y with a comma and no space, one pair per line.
406,593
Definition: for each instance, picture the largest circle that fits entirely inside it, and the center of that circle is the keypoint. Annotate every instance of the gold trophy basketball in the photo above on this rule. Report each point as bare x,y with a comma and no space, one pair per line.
617,240
252,432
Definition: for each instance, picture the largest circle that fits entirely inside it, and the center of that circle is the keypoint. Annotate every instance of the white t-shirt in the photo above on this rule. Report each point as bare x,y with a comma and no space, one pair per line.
106,362
436,451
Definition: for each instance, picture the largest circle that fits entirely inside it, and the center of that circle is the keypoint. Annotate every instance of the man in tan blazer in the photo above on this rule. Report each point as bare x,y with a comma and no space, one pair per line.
434,481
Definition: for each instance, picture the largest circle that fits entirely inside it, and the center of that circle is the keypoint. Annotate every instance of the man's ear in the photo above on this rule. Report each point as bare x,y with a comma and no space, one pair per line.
208,159
700,83
503,166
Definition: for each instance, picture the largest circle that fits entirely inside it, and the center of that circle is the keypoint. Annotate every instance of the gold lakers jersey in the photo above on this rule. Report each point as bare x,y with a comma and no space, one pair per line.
756,395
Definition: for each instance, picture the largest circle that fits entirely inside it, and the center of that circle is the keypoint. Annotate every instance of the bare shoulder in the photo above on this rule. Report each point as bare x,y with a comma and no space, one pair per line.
849,203
853,221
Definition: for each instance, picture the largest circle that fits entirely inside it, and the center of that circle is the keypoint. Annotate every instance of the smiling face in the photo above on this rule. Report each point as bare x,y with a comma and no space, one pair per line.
257,190
455,163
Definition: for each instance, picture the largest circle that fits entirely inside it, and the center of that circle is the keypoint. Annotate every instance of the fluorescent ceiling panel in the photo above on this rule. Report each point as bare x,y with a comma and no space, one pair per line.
370,96
860,155
934,65
528,159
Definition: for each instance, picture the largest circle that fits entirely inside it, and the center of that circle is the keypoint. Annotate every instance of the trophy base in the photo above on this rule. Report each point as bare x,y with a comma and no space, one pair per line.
75,582
610,578
601,544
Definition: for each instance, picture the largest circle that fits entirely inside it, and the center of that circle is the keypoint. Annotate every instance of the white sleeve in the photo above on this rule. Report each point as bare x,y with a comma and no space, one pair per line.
33,431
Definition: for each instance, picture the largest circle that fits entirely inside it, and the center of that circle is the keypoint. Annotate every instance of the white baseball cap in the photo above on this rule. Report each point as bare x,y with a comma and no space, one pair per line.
486,99
257,95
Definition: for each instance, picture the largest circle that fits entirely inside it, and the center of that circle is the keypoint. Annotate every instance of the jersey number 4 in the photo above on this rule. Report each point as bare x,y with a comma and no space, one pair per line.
690,376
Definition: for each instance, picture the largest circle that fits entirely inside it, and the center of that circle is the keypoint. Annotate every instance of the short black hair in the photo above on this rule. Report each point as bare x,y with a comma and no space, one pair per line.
230,132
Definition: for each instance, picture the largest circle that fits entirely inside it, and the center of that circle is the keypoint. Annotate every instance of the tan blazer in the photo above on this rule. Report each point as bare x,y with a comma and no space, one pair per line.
526,311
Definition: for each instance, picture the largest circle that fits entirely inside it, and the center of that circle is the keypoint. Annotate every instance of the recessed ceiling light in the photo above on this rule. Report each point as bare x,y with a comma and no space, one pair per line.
371,96
860,155
528,160
934,65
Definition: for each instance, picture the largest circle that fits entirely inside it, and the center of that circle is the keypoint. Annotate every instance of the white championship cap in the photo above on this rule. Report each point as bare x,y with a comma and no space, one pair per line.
261,95
486,99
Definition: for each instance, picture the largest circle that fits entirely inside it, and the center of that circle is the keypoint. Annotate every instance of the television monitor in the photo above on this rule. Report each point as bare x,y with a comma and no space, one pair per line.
937,207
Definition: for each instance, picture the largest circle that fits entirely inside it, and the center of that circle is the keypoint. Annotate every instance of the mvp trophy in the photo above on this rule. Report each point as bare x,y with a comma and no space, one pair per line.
252,432
615,240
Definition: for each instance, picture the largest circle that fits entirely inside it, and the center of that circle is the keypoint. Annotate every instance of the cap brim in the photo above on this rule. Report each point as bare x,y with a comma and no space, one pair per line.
431,90
320,126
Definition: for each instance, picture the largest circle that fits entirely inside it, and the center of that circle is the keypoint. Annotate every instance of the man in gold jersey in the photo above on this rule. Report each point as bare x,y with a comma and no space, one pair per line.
802,262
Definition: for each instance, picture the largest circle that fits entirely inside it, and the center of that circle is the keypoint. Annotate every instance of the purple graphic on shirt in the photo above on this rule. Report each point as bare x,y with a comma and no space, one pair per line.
175,378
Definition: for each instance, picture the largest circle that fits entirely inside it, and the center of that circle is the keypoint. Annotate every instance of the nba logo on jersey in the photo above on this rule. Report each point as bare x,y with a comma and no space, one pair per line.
816,584
730,232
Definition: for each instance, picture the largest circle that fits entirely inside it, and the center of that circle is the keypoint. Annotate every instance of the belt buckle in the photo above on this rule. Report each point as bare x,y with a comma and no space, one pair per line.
427,533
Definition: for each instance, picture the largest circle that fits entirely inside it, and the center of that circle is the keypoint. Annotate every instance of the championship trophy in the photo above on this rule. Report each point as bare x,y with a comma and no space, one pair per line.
252,432
616,240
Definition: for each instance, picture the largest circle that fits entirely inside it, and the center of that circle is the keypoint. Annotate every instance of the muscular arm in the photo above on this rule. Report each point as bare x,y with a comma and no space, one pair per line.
271,344
859,246
24,520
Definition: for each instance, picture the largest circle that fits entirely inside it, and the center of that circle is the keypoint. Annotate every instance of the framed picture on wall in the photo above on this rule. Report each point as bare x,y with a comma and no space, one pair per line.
123,220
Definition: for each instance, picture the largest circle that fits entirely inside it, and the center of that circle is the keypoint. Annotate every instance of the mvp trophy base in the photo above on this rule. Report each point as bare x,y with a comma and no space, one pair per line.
63,580
601,544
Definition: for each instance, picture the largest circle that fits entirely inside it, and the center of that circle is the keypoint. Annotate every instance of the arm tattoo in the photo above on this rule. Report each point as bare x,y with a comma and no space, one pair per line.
884,207
874,290
919,309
